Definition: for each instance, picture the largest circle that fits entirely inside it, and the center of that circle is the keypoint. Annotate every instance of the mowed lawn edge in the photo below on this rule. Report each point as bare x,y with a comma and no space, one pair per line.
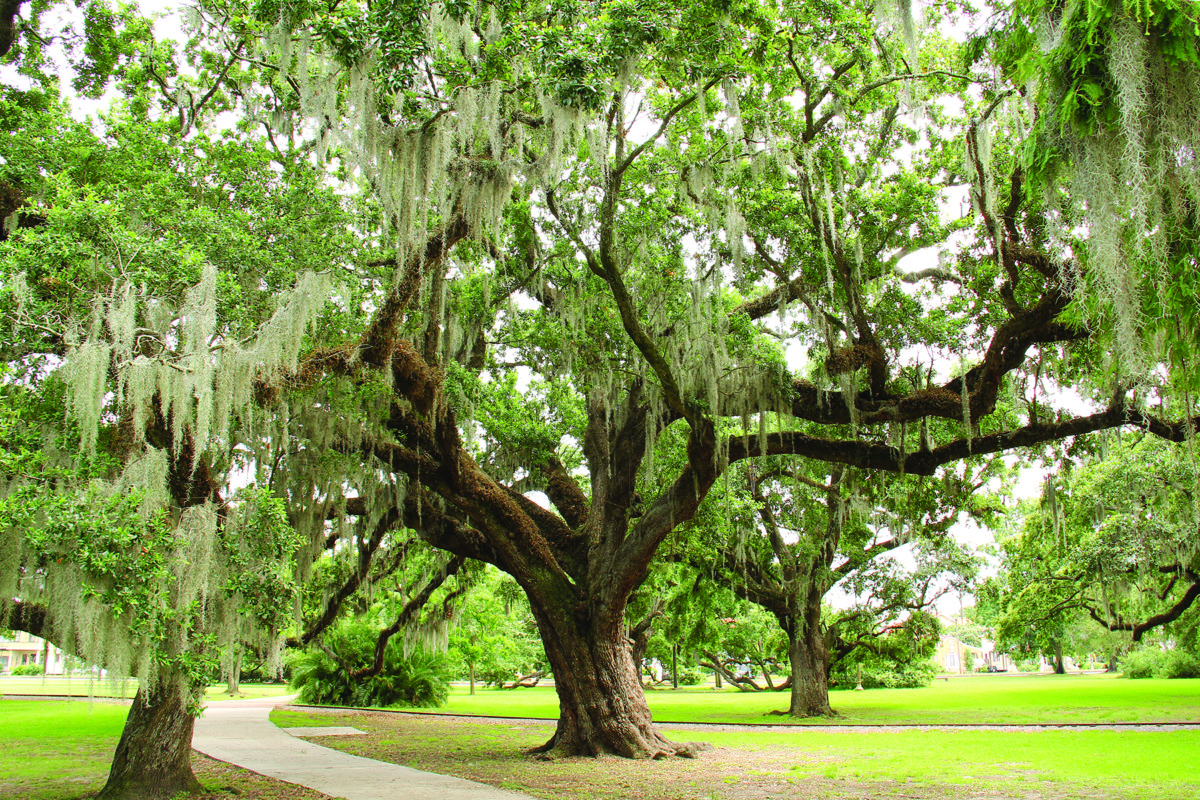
89,687
758,761
59,750
983,699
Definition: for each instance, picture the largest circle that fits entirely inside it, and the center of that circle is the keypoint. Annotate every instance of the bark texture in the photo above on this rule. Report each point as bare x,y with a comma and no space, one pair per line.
602,707
809,659
9,24
153,760
1060,664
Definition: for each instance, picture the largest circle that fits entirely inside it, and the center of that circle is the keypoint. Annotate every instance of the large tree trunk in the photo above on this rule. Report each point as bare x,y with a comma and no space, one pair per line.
809,659
154,757
602,707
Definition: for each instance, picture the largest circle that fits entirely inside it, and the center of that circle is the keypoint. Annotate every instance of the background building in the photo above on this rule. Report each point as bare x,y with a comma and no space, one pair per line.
20,648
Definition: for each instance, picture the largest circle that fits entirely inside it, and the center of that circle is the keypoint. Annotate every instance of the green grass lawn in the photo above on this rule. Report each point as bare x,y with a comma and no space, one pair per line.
62,750
248,690
766,762
974,699
1127,763
920,763
56,749
67,686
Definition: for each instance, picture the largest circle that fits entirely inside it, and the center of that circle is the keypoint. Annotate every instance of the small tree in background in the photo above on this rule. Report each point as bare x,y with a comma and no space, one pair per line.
494,638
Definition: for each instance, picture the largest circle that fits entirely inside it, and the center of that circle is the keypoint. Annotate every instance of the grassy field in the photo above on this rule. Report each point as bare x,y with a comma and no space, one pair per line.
56,749
762,763
62,749
83,686
248,690
1156,763
67,686
974,699
755,763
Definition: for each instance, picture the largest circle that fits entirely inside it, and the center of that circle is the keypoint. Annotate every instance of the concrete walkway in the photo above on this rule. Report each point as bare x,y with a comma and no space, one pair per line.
239,732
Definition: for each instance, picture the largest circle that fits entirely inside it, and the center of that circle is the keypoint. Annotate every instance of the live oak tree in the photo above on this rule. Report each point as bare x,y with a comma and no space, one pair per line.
1142,500
638,203
644,205
151,276
160,279
152,283
793,535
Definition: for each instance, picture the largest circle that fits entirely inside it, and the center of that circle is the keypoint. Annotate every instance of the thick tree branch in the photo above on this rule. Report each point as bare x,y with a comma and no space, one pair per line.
9,24
1139,629
447,533
933,273
872,456
406,615
565,493
380,337
366,553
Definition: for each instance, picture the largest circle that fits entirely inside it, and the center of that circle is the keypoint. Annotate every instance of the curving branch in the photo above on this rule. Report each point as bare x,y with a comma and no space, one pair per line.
873,456
565,493
1139,629
406,615
666,122
380,337
930,273
333,606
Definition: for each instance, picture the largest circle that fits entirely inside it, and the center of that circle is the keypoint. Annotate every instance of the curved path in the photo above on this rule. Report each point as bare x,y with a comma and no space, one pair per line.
239,732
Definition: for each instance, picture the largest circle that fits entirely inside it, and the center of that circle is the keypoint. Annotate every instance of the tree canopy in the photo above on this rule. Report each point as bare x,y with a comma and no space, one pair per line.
416,261
1113,541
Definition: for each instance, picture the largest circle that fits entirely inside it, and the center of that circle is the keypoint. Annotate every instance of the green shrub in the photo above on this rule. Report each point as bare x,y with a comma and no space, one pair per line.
1138,664
322,676
27,669
1179,664
1152,662
879,675
690,676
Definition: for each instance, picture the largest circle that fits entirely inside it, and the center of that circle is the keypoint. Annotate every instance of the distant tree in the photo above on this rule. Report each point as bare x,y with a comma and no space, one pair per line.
895,656
494,637
784,537
138,304
1111,542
